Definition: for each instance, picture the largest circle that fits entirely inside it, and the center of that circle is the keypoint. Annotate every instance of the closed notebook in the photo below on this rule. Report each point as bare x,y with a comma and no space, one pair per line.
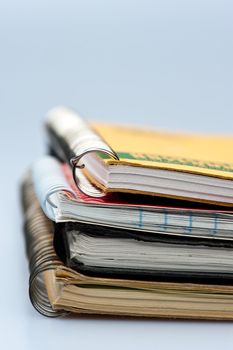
137,160
112,252
58,290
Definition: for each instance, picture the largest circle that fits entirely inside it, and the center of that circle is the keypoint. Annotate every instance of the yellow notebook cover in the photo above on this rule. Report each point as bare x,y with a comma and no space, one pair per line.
210,155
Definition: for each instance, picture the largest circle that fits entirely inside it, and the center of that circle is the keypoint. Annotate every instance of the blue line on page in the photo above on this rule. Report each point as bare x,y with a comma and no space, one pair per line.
140,217
165,219
190,222
215,229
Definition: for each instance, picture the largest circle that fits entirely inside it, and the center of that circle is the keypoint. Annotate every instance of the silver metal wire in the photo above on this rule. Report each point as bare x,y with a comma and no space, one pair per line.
85,186
71,134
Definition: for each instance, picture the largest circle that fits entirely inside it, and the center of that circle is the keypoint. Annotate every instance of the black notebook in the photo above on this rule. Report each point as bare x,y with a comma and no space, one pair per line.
101,251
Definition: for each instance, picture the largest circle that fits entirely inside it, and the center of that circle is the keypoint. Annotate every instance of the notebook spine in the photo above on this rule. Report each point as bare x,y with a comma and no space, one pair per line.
48,180
72,139
40,251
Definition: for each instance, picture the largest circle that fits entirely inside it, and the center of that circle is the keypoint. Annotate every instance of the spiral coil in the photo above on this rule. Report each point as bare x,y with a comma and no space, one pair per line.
72,139
40,251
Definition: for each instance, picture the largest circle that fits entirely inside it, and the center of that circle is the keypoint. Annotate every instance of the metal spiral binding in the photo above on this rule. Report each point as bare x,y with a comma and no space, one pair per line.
81,181
40,251
71,132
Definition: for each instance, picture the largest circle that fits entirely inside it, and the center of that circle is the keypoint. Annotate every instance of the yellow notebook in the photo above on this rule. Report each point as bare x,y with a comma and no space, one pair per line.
138,160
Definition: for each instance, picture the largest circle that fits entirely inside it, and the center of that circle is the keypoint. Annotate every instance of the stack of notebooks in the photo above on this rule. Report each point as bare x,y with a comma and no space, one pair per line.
129,222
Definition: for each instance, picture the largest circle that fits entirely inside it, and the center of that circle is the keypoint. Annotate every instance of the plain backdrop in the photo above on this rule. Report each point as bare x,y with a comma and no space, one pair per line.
164,63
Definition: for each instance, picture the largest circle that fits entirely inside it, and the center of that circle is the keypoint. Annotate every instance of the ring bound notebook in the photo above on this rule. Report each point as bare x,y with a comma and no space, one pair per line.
115,158
56,290
129,222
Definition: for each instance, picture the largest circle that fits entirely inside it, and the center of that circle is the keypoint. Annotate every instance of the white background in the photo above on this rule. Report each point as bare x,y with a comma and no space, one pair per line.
166,63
